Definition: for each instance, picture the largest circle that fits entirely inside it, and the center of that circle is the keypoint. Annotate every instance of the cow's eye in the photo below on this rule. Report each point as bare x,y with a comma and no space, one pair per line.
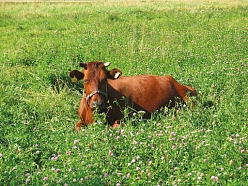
86,81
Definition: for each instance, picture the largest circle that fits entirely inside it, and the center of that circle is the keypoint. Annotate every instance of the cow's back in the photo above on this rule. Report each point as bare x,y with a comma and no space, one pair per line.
148,92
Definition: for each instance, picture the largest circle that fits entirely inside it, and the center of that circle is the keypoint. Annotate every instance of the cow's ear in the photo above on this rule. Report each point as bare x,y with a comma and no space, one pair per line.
75,75
114,73
83,65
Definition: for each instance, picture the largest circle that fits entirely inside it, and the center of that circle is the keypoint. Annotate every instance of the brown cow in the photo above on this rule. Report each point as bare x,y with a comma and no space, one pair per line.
111,93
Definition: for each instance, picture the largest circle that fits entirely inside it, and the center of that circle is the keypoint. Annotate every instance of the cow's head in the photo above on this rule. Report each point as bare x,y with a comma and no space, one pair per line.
95,76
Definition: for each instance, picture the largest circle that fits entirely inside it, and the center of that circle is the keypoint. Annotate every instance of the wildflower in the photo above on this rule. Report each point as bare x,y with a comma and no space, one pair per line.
90,145
110,153
215,178
59,181
1,155
231,162
90,166
58,170
28,174
68,153
176,168
76,142
118,184
45,178
36,145
74,147
118,137
137,168
122,132
74,180
119,174
141,112
149,174
173,134
27,180
105,175
128,175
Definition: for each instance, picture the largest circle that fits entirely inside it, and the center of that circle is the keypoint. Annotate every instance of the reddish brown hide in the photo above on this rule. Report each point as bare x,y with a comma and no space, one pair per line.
142,93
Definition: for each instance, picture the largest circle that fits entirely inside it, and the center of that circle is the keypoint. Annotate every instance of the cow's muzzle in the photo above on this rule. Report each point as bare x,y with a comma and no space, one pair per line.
96,104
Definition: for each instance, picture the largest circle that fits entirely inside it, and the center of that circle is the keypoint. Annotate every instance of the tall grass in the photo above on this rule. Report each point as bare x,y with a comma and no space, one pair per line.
200,44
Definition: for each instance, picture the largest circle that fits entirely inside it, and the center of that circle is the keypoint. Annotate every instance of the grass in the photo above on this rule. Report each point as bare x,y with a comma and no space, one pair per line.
200,44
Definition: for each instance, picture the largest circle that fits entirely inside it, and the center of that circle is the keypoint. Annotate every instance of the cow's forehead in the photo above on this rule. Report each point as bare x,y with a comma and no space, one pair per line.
94,70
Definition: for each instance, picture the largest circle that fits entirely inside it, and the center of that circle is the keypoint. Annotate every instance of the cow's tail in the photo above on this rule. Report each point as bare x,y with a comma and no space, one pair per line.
192,91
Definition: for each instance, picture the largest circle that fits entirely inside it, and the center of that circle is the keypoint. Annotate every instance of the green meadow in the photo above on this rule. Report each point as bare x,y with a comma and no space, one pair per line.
203,44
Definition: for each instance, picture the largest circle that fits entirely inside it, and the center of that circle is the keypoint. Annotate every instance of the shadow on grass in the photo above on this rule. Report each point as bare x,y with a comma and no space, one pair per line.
60,82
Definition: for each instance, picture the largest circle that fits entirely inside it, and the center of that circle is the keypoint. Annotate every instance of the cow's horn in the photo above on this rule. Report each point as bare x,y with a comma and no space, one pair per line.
117,75
106,64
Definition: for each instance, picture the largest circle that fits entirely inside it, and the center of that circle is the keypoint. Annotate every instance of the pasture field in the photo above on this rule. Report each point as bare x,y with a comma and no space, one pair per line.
203,44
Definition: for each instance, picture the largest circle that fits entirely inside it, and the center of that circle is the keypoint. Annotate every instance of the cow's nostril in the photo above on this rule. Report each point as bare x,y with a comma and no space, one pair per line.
96,104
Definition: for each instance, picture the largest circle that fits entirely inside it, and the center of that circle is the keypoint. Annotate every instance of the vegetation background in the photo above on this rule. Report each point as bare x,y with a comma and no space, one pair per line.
200,43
